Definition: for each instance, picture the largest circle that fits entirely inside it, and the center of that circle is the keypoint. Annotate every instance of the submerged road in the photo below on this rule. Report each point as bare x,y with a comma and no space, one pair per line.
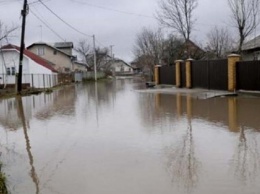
114,138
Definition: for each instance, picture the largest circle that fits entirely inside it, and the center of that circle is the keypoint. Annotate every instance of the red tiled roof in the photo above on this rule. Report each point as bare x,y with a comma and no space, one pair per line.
32,56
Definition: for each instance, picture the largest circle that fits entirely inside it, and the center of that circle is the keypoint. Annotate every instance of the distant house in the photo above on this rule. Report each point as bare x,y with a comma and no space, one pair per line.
37,72
183,50
119,66
251,49
106,63
80,66
59,54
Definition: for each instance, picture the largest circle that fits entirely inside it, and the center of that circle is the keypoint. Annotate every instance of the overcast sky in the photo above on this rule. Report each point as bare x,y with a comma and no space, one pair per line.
114,22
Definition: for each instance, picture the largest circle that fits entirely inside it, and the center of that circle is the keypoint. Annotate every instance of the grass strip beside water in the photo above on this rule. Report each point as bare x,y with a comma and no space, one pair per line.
3,188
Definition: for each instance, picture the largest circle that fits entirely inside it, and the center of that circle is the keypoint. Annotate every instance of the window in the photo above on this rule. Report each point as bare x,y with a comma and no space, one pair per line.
67,69
13,71
41,51
8,71
55,52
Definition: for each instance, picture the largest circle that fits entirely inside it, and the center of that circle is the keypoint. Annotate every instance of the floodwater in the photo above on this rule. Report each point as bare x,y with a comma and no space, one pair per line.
108,138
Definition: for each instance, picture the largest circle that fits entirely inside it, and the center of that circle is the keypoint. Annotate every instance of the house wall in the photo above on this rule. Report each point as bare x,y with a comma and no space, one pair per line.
66,50
9,59
78,67
62,62
34,74
251,56
121,67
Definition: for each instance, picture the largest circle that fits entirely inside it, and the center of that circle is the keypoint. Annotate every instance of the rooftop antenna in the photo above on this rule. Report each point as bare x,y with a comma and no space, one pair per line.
41,32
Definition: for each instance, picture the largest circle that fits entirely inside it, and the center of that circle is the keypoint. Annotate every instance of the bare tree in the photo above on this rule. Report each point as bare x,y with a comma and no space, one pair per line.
148,48
220,42
103,60
83,48
6,32
178,15
244,16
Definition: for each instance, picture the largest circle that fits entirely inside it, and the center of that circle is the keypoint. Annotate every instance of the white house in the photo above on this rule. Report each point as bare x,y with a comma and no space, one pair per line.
120,67
37,72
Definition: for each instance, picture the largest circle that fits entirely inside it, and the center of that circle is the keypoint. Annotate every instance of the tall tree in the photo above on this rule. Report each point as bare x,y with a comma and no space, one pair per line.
244,16
148,48
83,48
178,15
103,60
219,42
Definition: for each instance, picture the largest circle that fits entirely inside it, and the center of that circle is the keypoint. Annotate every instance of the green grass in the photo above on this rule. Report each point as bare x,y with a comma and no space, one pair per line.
3,189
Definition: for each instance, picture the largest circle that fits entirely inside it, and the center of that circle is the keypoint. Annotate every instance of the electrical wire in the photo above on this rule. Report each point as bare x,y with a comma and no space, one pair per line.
69,25
48,26
111,9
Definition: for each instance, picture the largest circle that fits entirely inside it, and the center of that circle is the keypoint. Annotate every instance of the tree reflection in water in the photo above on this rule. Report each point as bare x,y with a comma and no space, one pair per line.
182,162
246,160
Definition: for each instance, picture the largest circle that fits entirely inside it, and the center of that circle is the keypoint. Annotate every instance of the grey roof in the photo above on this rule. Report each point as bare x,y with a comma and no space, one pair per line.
120,60
61,45
81,63
252,44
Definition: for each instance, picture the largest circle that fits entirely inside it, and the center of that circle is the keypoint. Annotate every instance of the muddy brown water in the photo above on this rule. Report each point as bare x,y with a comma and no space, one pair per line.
108,138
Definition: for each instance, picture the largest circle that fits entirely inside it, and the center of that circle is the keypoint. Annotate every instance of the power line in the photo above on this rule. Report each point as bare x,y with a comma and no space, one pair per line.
47,25
111,9
64,20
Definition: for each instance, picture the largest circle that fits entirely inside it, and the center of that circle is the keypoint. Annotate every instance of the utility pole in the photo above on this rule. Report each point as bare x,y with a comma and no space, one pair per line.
111,49
95,57
19,81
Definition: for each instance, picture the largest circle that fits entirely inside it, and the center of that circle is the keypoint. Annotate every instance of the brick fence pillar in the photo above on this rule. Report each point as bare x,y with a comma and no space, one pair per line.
157,74
188,73
232,82
178,72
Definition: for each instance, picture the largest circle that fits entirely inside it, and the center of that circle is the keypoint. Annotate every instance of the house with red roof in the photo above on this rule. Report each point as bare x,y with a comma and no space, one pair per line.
37,72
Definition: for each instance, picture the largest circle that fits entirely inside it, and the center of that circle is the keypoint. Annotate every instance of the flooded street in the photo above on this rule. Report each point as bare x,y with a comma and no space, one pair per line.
109,138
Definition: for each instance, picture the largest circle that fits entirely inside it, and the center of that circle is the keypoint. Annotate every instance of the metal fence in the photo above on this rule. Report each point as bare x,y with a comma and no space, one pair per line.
211,74
248,75
31,80
90,75
167,75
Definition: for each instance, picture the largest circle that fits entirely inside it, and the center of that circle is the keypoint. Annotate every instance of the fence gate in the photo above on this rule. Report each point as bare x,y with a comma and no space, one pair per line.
167,75
248,75
211,74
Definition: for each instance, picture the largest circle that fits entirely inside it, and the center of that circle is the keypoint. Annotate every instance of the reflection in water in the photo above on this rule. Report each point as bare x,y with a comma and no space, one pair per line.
96,100
246,160
33,173
182,161
61,102
106,138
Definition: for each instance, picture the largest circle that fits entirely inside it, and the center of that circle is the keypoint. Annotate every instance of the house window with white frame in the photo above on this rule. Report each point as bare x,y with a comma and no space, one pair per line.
41,51
10,71
13,71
